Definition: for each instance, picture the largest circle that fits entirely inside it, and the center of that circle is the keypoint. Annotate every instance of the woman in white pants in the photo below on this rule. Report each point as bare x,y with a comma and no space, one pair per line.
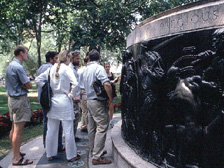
64,87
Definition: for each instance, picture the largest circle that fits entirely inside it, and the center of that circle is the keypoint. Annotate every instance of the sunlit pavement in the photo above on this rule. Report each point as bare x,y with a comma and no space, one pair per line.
35,151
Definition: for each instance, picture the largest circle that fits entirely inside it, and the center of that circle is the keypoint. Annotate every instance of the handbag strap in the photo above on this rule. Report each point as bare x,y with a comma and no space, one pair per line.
49,76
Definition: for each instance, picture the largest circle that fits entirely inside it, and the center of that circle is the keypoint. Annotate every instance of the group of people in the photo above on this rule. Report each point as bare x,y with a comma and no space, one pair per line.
72,92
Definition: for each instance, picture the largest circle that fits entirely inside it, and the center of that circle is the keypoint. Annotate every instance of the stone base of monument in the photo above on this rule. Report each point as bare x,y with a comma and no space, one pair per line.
123,155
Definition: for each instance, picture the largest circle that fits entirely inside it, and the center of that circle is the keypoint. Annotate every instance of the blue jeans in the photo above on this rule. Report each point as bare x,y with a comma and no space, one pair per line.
45,131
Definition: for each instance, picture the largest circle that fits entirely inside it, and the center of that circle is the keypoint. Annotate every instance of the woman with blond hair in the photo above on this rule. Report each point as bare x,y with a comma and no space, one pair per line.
64,87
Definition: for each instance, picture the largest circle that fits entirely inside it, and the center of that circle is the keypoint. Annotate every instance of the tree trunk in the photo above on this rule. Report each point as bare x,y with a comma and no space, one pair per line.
38,38
38,49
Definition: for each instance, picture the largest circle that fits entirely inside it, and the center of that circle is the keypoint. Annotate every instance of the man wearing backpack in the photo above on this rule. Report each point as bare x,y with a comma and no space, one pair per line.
51,59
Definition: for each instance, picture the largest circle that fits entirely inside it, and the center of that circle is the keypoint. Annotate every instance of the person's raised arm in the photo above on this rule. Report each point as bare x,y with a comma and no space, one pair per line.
108,88
28,85
73,84
42,77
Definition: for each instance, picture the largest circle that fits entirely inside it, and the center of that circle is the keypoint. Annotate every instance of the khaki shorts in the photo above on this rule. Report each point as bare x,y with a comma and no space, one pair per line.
19,109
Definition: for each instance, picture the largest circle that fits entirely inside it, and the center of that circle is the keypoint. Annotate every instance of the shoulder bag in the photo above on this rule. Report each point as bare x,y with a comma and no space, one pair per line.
100,91
45,98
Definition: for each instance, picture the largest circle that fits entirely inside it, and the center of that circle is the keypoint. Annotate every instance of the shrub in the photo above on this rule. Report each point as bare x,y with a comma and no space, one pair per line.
117,106
5,123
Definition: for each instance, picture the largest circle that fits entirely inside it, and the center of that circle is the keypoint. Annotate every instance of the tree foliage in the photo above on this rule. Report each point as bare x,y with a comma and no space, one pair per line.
107,23
74,23
12,24
153,7
102,23
25,19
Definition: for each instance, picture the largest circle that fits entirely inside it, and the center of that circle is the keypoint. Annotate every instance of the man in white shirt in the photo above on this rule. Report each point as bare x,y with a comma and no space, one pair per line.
98,117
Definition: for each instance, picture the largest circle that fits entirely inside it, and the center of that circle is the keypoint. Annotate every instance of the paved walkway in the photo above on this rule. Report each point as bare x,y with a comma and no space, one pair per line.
35,151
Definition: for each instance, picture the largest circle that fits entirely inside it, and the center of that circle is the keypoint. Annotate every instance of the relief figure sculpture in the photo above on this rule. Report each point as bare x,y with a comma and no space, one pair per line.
129,96
151,77
175,108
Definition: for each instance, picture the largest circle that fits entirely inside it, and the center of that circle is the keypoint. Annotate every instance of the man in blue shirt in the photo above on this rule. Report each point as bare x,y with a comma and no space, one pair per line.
98,117
16,84
51,59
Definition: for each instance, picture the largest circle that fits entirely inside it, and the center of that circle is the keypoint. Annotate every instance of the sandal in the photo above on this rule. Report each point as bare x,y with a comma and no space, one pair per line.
51,158
22,154
22,162
75,158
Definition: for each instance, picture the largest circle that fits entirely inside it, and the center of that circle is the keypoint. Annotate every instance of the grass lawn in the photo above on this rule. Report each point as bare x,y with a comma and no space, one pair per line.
32,96
3,101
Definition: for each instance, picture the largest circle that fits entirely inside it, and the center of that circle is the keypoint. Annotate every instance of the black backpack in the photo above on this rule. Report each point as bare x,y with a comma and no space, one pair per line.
45,97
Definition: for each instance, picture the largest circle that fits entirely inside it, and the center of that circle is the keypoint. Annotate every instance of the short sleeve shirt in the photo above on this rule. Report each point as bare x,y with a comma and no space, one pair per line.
93,71
14,78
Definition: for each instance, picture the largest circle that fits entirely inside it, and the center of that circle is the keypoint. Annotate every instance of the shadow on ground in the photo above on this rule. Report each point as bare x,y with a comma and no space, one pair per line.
61,161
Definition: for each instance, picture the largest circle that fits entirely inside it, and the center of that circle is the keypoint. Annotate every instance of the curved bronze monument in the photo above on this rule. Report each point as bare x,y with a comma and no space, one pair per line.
172,87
